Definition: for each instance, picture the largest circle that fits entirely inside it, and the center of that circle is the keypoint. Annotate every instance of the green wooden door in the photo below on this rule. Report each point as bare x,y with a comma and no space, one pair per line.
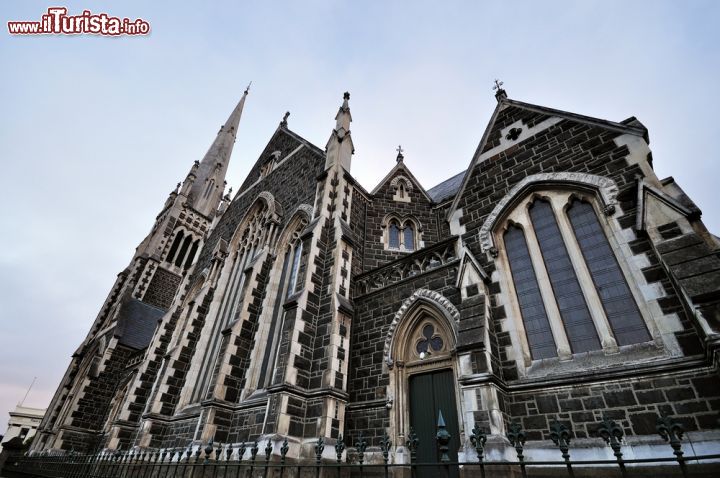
430,393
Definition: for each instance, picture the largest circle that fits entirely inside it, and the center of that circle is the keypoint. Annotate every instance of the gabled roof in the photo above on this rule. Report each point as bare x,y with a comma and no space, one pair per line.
136,323
253,176
401,165
447,189
631,127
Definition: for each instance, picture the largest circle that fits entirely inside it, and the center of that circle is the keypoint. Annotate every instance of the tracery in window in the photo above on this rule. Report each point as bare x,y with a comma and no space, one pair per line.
256,233
291,281
430,342
568,294
562,268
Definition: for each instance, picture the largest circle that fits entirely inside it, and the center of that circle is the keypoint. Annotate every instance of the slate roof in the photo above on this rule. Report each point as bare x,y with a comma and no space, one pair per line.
136,323
447,188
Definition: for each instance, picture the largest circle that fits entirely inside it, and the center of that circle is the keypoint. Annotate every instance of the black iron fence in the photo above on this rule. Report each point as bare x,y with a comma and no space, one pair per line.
263,460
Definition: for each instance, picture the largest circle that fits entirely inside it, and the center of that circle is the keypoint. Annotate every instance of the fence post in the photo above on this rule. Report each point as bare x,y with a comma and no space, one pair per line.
361,445
385,445
253,455
339,448
478,438
319,447
612,433
218,457
443,439
412,443
516,435
672,431
560,435
283,452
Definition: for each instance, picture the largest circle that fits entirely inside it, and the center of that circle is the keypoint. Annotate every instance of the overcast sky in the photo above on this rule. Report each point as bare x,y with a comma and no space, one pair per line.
95,132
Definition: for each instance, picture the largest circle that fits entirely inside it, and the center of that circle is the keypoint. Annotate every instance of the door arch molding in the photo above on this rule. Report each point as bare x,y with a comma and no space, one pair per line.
423,317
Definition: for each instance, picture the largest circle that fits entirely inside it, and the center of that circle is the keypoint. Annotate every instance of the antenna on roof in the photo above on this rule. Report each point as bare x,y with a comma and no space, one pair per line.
28,391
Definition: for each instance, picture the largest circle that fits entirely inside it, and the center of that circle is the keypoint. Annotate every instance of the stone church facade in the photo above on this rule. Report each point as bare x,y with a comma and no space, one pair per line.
557,278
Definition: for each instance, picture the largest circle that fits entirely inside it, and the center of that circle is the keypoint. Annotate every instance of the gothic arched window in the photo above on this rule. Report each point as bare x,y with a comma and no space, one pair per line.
183,250
571,292
295,267
401,235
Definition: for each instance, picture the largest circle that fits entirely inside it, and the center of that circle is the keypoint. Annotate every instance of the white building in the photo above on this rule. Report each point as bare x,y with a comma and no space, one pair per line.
23,423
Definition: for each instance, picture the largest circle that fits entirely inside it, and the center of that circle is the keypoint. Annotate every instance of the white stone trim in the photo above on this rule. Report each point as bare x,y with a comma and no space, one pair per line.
605,186
434,298
526,133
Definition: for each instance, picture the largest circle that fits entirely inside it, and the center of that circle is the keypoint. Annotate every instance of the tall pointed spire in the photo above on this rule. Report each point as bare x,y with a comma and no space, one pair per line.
339,149
207,187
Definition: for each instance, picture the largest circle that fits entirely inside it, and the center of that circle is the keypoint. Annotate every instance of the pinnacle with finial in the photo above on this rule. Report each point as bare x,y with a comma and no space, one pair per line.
248,88
284,120
400,156
500,93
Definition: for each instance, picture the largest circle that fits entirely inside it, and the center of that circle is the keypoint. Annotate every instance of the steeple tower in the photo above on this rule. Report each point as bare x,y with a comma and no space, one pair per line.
340,146
208,185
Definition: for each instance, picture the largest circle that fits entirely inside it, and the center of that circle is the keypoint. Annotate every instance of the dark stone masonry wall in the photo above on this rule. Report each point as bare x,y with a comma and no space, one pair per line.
181,365
93,407
162,289
177,433
693,398
374,313
419,207
566,146
292,183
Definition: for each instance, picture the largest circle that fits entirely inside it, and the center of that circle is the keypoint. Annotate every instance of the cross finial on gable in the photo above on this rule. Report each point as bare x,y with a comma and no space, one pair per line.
500,93
400,156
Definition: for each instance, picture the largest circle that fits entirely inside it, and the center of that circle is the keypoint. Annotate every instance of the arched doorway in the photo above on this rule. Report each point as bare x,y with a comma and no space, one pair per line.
422,363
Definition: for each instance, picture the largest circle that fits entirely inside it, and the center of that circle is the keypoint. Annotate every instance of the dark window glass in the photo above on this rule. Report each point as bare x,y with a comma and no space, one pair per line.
191,255
294,269
394,236
575,315
537,326
620,307
175,245
183,251
409,237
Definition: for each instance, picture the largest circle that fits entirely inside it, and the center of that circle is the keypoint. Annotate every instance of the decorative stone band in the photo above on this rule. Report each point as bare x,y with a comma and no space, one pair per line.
424,260
605,186
421,295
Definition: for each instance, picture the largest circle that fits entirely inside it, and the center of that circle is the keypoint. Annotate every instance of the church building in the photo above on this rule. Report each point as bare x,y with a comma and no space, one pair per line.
557,278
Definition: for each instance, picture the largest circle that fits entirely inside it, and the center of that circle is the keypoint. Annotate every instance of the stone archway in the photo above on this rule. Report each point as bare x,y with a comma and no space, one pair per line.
420,354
